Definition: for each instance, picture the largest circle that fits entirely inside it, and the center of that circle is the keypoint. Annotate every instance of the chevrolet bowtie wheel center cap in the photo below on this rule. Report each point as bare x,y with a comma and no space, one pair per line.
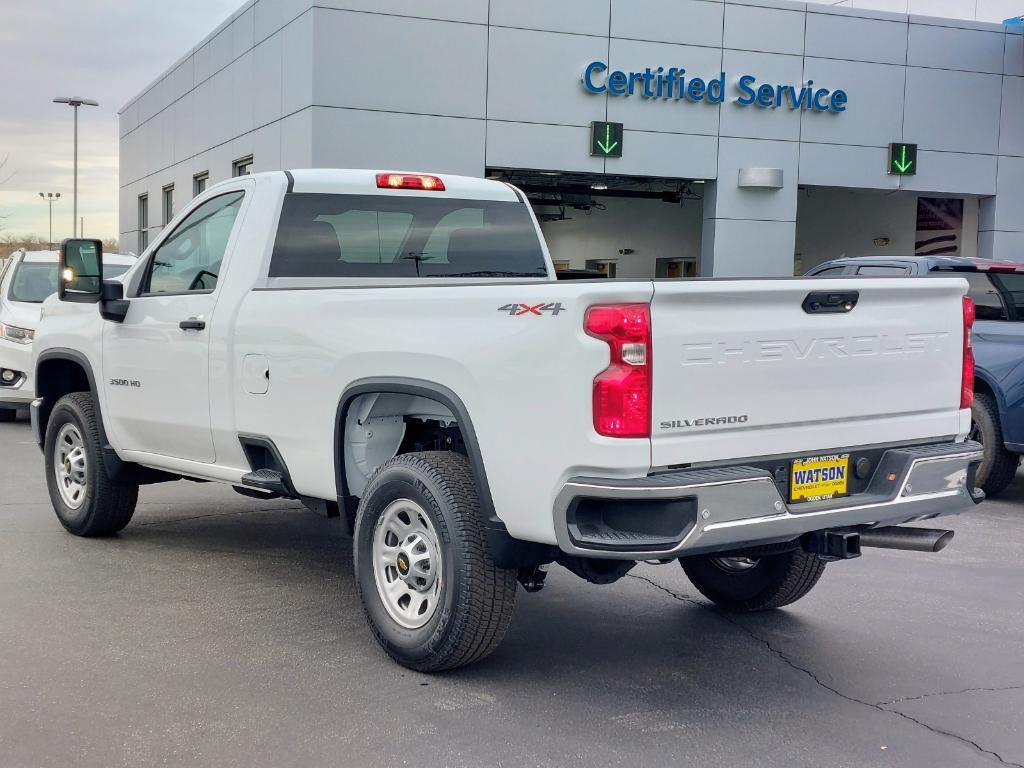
415,562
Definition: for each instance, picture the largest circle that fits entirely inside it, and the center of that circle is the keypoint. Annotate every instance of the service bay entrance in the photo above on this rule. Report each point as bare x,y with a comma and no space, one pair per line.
615,226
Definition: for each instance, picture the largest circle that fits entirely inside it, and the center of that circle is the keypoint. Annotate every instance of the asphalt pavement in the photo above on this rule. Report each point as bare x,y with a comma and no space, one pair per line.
220,630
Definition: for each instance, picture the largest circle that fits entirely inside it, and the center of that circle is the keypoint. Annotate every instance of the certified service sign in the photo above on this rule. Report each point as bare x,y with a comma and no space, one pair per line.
673,84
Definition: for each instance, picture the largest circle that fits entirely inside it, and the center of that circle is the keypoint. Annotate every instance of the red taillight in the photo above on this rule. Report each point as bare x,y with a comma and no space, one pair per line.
967,377
622,391
409,181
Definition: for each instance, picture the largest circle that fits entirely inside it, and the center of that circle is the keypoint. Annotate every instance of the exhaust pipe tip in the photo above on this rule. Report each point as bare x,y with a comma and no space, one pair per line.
912,539
942,541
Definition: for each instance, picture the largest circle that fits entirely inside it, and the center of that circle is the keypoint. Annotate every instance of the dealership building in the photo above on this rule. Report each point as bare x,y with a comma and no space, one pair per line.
652,137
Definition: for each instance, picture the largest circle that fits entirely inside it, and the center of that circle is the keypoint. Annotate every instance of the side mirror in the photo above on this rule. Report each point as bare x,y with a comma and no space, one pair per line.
114,306
80,274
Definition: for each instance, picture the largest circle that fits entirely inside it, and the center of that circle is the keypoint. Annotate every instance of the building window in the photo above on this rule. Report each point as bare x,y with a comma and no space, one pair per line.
168,198
143,222
242,167
199,183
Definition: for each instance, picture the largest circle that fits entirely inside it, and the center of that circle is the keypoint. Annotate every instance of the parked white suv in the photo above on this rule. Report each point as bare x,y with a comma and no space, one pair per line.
26,279
394,347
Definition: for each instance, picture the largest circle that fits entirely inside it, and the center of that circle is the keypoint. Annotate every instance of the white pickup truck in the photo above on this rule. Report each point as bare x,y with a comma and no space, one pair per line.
395,348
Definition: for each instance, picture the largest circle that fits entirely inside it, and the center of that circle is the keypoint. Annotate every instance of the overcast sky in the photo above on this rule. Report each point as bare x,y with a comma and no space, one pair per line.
107,50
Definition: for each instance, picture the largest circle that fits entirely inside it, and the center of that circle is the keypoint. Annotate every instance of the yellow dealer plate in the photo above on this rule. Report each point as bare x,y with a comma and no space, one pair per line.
819,477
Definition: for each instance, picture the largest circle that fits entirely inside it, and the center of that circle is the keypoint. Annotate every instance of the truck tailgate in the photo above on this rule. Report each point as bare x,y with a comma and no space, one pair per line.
742,370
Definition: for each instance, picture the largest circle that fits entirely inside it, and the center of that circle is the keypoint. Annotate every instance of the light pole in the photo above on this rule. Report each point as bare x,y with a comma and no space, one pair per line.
51,198
76,102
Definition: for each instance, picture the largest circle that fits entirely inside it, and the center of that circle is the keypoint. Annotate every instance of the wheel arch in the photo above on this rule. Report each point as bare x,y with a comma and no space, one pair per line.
60,372
983,383
427,390
506,551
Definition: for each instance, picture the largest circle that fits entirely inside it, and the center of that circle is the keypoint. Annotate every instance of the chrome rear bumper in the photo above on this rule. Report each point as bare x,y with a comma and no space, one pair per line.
713,510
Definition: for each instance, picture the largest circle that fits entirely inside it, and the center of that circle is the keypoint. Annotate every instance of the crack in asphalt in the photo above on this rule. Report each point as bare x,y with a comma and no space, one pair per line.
951,693
821,683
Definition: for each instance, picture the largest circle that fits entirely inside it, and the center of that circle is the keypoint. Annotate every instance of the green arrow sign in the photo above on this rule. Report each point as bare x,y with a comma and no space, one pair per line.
606,139
902,159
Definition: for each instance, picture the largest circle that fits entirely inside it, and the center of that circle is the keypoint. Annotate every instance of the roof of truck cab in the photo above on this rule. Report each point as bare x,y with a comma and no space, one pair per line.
52,257
340,181
926,263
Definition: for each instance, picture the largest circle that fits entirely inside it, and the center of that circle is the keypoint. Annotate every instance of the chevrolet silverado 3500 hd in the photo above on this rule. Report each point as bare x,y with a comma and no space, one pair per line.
395,348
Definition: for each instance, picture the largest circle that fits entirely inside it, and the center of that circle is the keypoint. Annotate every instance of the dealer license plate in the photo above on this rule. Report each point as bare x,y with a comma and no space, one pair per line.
819,477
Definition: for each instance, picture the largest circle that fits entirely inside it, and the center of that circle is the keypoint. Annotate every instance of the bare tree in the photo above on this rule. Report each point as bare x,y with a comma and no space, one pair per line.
3,180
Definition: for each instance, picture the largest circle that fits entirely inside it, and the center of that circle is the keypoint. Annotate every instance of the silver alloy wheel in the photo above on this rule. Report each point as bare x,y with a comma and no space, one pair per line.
69,465
735,564
407,563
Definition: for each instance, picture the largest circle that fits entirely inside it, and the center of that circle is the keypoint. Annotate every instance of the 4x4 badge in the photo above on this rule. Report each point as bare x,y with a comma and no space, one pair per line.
518,310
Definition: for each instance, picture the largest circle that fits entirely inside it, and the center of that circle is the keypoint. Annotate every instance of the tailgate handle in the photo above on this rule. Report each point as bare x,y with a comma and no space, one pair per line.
823,302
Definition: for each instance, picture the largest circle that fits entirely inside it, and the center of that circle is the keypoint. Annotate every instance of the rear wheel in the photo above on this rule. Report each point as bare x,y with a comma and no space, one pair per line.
432,595
86,500
999,466
746,584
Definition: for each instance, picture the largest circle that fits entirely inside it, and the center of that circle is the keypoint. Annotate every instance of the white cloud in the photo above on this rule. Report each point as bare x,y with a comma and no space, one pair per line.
107,50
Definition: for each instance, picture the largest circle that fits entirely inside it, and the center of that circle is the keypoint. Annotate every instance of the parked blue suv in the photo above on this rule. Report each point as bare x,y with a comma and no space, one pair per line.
997,288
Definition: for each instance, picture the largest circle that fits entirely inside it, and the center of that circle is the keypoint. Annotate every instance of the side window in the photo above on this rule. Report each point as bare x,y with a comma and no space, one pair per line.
830,272
190,259
883,271
988,302
1011,289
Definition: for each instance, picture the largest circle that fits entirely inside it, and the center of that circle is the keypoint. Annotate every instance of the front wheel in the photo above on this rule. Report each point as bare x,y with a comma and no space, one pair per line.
746,584
431,593
86,500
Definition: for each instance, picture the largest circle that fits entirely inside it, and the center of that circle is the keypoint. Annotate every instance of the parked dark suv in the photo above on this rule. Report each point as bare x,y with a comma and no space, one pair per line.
997,288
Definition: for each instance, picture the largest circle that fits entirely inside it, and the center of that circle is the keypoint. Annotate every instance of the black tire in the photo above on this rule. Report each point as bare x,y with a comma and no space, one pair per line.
8,414
475,599
106,506
770,582
999,466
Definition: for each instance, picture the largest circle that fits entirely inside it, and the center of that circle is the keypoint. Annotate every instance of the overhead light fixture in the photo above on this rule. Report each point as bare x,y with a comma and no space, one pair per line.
759,178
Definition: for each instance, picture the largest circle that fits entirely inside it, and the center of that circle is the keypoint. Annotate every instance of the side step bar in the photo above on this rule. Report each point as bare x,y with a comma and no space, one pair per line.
269,480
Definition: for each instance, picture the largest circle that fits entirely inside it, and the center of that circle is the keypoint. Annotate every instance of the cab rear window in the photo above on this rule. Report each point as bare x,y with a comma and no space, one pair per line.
389,236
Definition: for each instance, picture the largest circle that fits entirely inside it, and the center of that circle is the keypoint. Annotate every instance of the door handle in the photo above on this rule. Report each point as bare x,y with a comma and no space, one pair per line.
192,324
830,302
